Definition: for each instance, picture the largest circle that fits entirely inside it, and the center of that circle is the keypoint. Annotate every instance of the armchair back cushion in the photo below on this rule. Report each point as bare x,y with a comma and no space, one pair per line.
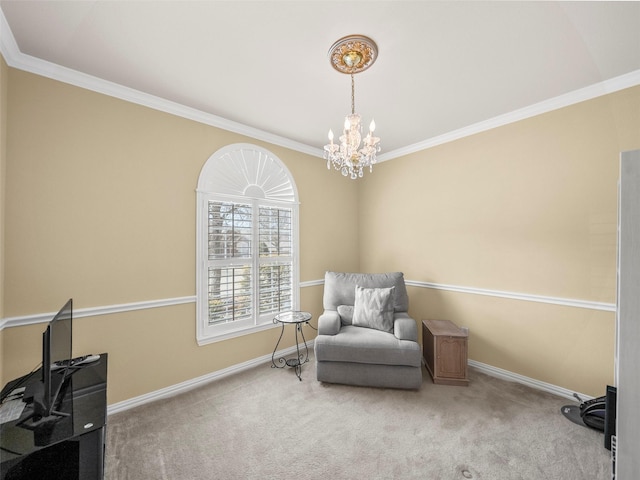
339,288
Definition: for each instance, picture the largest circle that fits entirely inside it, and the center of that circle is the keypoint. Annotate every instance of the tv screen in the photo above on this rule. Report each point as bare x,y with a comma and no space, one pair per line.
58,351
56,348
61,334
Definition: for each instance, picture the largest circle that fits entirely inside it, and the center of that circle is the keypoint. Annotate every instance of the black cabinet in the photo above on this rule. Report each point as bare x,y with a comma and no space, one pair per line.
72,448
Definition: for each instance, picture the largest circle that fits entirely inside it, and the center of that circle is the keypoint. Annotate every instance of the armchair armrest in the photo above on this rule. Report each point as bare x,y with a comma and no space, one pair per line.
329,323
404,327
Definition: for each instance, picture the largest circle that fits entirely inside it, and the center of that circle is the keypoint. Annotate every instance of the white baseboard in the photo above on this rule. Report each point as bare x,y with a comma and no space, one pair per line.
220,374
531,382
195,382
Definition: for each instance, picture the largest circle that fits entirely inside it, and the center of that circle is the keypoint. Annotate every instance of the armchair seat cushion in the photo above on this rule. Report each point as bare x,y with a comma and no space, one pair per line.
369,346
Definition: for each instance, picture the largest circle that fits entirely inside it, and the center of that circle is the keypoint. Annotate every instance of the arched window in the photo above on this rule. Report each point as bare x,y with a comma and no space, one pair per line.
247,242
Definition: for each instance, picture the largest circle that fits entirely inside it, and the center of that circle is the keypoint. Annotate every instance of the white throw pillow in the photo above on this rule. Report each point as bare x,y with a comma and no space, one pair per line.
373,308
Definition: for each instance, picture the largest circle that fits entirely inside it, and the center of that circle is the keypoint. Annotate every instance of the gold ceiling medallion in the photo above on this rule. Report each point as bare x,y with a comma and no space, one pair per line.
353,54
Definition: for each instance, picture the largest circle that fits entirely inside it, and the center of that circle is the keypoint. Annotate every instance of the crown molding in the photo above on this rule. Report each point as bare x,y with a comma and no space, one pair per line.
16,59
8,46
612,85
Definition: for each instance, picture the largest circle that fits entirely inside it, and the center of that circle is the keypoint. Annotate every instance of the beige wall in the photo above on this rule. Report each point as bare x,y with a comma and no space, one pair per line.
101,207
3,162
529,208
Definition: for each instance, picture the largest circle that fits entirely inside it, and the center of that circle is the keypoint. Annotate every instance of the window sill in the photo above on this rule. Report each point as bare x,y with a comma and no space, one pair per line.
206,340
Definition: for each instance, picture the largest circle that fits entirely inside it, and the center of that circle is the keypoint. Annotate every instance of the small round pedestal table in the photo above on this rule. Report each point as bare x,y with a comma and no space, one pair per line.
297,319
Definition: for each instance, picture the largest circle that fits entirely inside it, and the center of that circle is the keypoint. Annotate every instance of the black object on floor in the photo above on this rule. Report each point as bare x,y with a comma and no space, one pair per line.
572,412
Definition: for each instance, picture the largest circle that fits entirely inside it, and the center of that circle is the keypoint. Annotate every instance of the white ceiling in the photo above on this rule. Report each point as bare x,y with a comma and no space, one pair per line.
443,67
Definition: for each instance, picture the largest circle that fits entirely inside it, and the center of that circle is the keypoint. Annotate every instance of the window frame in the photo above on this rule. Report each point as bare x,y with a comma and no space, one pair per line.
267,183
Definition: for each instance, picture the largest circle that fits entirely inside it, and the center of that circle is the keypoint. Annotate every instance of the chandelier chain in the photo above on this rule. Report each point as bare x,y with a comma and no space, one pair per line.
353,95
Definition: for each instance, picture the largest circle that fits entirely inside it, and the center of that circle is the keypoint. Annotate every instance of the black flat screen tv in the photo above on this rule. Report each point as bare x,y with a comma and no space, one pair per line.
56,361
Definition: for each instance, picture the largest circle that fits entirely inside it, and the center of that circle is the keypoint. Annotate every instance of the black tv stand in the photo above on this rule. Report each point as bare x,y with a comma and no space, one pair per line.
35,420
39,415
68,444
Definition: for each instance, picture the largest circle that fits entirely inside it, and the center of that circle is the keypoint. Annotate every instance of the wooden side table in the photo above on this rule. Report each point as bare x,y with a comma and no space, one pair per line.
444,347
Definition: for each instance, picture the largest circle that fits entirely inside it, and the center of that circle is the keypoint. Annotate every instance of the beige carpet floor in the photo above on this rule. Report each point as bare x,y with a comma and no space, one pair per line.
265,424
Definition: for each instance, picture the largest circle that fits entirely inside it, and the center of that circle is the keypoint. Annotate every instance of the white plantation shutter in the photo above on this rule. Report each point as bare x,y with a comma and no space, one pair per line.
230,232
276,262
230,295
275,232
247,243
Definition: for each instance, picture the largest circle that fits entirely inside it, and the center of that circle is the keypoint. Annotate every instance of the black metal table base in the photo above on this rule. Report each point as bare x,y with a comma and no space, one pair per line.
300,358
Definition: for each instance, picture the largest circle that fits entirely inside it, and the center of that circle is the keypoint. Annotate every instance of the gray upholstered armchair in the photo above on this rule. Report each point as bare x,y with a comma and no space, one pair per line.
365,335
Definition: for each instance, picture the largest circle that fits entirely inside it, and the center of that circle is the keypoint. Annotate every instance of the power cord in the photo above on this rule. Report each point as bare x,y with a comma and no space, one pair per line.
11,386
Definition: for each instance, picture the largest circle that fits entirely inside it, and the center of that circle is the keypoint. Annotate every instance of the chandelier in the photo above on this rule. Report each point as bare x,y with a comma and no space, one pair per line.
350,55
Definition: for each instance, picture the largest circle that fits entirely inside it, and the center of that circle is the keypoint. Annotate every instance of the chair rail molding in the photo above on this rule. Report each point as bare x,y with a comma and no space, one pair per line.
566,302
167,302
95,311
